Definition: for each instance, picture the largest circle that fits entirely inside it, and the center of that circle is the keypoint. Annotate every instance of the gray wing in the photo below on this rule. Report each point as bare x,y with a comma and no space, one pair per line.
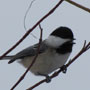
30,51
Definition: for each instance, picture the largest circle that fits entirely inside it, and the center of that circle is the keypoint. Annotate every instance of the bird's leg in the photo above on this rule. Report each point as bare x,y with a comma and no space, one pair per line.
64,68
48,79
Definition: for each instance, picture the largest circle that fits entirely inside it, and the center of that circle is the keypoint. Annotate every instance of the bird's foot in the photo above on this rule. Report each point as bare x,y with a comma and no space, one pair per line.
64,68
48,79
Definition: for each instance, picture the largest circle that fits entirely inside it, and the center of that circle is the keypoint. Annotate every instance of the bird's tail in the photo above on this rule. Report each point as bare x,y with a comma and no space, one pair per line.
7,58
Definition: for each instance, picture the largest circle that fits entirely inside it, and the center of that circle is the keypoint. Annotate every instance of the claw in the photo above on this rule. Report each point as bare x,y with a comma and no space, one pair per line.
64,69
48,79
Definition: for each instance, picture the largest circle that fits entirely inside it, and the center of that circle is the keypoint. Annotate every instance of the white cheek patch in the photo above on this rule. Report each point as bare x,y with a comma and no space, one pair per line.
55,42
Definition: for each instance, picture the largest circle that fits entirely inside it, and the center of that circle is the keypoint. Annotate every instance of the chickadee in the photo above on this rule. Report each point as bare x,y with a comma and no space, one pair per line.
53,54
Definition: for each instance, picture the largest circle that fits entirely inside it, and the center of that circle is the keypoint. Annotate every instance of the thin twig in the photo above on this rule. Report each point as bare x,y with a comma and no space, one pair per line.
84,44
33,61
78,5
31,3
80,53
27,13
84,49
30,30
88,46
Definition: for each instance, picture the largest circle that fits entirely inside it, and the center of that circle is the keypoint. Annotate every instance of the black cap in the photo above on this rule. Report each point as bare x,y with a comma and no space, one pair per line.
63,32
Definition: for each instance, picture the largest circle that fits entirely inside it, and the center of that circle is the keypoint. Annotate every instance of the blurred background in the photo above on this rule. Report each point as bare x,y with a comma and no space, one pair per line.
12,14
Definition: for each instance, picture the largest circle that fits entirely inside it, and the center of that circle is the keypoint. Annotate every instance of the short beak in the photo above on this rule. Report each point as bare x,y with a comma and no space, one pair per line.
74,43
73,40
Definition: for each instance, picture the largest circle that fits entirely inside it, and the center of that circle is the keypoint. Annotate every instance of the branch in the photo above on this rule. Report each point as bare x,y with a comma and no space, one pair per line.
31,3
83,50
30,30
78,5
33,61
24,23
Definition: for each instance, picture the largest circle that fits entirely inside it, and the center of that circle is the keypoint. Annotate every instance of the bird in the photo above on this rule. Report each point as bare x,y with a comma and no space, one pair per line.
53,53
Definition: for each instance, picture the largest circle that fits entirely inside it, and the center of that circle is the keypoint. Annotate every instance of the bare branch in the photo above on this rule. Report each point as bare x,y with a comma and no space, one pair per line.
31,3
27,13
88,46
84,49
22,77
79,54
78,5
84,44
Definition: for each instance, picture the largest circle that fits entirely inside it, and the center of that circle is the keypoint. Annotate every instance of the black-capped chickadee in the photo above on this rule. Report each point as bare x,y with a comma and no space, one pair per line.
53,54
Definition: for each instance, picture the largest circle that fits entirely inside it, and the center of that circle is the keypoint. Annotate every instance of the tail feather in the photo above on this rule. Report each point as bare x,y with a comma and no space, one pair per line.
7,58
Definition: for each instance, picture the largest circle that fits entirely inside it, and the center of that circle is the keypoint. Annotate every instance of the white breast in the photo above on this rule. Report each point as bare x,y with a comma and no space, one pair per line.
46,62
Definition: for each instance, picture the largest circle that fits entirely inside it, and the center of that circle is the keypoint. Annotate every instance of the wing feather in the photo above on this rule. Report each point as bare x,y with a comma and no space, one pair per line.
30,51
